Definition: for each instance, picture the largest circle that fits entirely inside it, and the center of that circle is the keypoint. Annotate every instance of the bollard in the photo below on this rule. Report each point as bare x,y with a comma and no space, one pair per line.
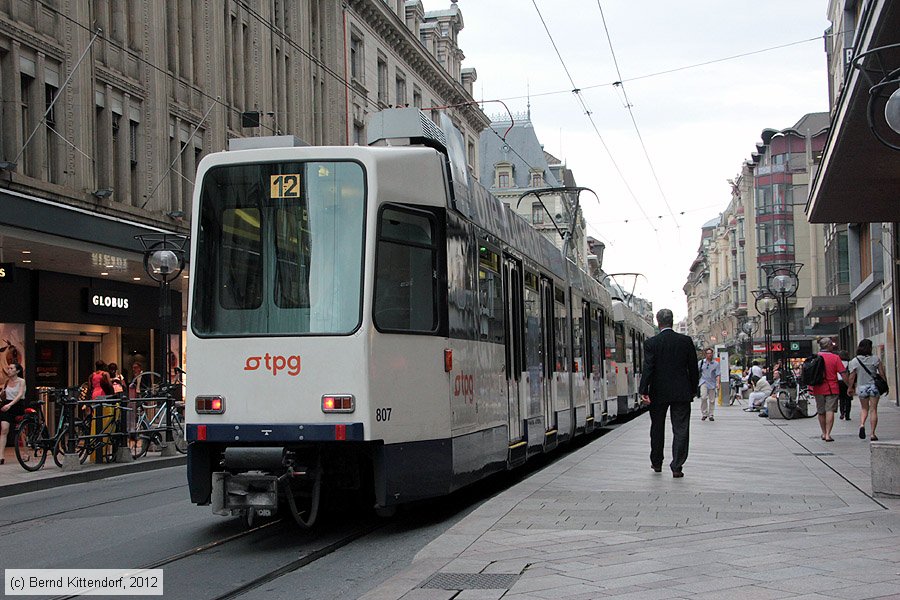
169,448
123,452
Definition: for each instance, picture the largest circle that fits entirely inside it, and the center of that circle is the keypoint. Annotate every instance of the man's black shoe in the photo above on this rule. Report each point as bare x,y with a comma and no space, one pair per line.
678,473
657,469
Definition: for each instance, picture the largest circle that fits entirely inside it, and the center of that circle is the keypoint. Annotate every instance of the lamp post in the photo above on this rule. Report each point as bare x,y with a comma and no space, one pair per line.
782,281
163,262
748,328
742,341
765,304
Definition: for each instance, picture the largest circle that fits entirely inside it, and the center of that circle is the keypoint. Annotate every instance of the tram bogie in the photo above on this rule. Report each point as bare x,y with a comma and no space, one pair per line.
371,319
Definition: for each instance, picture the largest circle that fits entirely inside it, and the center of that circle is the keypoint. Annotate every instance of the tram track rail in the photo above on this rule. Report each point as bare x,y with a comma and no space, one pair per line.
251,558
262,532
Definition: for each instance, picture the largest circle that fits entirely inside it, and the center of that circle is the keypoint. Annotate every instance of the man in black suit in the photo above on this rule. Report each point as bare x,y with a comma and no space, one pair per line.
669,381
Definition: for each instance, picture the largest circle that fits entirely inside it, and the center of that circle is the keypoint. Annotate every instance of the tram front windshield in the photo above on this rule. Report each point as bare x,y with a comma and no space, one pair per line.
279,250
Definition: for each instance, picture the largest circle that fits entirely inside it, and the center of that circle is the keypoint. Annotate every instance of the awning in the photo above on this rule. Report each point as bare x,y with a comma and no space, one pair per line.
37,233
827,306
859,178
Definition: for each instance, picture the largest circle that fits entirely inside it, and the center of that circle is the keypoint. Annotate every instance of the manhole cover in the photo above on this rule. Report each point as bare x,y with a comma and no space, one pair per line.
471,581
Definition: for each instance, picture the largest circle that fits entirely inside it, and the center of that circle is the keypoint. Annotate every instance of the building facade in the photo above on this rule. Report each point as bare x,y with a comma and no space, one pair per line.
106,107
855,186
514,164
764,226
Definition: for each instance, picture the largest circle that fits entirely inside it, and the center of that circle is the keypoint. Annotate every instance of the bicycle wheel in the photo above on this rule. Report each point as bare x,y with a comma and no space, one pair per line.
141,443
30,451
786,405
178,435
806,404
147,384
62,443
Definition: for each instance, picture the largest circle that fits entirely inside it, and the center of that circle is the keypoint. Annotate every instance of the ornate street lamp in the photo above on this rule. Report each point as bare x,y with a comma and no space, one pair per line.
782,281
765,304
748,328
878,67
742,342
164,262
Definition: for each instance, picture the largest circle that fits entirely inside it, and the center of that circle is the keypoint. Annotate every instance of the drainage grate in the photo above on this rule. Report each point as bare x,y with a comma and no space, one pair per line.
813,453
471,581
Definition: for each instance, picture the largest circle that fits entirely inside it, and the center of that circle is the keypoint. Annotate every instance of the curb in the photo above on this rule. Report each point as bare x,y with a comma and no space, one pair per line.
90,474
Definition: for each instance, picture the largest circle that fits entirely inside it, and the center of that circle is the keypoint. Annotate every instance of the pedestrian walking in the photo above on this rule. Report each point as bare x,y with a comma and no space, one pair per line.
667,384
826,393
709,386
861,382
845,400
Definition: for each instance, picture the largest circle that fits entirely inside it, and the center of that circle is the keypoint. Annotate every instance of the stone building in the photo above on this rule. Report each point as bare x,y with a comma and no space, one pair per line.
106,107
513,163
854,190
762,226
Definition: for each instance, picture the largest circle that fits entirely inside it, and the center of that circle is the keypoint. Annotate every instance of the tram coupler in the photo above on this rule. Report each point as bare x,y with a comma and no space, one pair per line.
249,482
236,493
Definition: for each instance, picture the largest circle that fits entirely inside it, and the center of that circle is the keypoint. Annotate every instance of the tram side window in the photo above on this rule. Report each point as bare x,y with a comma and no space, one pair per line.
533,330
491,310
620,342
406,263
577,336
597,343
562,332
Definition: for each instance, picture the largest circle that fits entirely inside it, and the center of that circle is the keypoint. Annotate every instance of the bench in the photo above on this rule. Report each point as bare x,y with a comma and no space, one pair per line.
885,468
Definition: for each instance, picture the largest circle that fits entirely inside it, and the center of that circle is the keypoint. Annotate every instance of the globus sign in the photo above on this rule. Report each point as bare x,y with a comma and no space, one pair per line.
108,302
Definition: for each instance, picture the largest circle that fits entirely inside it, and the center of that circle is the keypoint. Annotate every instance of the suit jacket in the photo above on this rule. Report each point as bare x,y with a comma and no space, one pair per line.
670,368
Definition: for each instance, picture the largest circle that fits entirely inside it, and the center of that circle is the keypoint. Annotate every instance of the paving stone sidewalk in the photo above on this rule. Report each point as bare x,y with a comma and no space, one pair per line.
766,510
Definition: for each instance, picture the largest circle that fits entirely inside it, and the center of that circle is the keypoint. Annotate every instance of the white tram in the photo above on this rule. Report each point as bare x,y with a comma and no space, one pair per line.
371,318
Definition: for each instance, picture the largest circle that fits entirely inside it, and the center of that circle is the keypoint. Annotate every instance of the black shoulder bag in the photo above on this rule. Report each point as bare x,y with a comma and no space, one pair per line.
880,384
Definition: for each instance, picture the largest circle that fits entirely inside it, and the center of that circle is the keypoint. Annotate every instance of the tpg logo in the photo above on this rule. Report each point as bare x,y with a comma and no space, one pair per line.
274,363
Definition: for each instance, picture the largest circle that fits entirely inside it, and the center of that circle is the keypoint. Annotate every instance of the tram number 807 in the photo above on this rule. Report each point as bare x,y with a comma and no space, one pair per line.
382,414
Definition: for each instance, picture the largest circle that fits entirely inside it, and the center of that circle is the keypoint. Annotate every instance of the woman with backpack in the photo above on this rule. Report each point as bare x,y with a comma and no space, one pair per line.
861,382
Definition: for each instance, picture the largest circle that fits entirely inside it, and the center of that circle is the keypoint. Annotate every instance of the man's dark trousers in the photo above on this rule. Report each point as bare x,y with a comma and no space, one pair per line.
681,416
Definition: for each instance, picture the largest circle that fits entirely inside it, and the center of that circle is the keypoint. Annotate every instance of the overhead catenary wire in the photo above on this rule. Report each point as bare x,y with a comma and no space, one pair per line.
673,70
132,54
577,92
629,107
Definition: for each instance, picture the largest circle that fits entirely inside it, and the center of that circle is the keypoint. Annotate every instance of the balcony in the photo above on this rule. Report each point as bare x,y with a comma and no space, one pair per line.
770,211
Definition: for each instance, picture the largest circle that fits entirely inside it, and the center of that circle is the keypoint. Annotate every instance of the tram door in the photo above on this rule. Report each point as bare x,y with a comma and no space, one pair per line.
548,343
512,296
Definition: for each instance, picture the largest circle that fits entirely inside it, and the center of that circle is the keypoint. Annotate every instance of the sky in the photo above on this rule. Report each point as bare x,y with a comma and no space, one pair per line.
698,122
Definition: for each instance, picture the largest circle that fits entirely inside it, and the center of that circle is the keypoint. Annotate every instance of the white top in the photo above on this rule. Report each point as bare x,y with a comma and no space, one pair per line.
13,390
871,363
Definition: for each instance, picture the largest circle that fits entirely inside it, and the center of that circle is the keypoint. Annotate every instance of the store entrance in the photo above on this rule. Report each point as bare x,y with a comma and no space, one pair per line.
64,363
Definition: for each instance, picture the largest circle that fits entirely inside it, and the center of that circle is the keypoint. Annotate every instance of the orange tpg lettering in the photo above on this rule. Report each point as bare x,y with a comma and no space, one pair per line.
274,363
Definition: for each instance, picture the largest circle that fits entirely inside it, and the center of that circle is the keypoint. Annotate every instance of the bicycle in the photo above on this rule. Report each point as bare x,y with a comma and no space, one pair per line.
109,435
737,391
796,404
151,430
33,439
